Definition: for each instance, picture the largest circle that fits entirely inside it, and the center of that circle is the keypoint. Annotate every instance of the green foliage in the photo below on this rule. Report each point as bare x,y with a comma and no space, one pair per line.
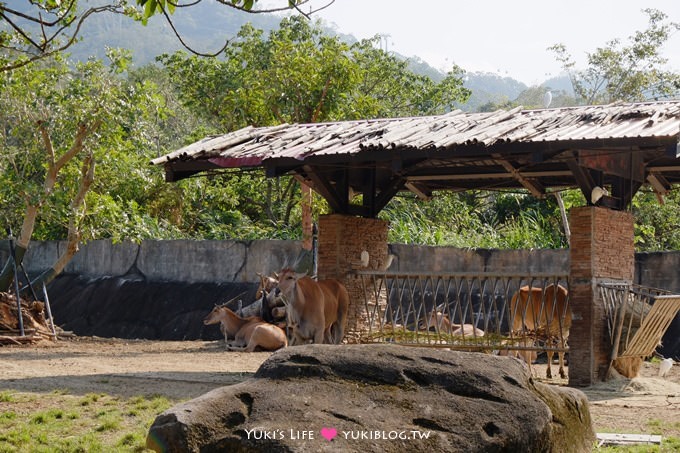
296,74
657,225
299,74
633,72
131,117
475,220
293,74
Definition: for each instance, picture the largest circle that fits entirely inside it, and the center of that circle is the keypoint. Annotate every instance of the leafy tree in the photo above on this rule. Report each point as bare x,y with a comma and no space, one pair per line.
632,72
39,29
657,225
299,75
42,28
57,122
387,88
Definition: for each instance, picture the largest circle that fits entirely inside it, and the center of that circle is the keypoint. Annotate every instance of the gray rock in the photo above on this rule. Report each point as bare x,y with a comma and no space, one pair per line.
380,398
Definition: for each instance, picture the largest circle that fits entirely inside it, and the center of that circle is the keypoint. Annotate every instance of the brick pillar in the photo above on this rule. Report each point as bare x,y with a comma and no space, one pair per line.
341,240
601,248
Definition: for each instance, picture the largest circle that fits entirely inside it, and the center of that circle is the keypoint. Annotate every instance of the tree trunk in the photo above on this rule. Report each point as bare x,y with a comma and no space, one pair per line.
77,213
20,248
306,206
54,165
563,213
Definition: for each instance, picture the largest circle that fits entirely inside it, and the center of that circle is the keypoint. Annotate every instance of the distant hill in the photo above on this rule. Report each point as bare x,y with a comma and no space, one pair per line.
490,88
206,25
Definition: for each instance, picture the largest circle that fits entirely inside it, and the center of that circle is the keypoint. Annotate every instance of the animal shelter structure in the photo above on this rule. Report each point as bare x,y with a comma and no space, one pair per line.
608,152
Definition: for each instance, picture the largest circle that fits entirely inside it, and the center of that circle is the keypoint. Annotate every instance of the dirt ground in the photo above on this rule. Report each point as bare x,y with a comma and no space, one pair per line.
183,370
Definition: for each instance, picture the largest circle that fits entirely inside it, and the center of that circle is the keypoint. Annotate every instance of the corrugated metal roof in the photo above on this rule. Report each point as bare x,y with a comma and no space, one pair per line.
251,146
620,146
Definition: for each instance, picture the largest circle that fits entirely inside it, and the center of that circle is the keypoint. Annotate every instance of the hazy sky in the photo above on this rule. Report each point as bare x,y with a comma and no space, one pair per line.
509,38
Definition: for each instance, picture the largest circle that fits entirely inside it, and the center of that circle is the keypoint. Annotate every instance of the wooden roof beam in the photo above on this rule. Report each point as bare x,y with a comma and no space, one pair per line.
534,187
422,192
660,185
324,187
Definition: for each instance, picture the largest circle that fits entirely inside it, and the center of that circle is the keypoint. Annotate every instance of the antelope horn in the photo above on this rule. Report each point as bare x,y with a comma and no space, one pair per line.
231,300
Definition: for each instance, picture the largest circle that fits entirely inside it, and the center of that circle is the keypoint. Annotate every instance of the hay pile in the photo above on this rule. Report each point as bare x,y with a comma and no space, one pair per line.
36,326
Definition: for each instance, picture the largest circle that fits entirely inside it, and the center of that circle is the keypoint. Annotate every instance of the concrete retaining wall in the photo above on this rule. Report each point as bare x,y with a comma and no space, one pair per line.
239,261
176,261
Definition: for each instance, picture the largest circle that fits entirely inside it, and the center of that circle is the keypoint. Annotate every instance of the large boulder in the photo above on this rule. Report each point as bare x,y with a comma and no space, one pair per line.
380,398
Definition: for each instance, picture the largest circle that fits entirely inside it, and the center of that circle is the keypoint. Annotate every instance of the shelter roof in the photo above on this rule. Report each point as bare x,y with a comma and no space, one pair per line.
620,146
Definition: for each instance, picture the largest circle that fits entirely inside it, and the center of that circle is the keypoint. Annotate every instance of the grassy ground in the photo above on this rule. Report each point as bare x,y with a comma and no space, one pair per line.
59,422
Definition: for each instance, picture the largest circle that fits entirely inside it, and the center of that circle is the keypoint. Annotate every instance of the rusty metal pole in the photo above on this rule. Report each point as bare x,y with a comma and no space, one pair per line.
16,282
49,311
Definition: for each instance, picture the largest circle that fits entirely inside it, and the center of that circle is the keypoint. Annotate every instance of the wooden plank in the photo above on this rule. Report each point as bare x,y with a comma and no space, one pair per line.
626,439
653,326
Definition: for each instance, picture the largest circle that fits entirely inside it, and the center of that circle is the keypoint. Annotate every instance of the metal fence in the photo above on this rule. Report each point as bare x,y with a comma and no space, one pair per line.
465,311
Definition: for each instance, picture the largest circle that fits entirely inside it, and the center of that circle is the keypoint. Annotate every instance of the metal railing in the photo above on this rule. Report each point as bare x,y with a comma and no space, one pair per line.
469,311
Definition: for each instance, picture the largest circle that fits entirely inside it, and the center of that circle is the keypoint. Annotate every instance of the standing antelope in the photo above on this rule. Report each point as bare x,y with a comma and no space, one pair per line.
317,311
543,311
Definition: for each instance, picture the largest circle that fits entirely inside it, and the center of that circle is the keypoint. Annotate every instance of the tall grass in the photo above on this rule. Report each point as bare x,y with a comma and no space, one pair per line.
452,220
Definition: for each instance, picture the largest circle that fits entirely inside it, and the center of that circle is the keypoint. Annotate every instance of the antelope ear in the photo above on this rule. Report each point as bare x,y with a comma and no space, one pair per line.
276,274
299,275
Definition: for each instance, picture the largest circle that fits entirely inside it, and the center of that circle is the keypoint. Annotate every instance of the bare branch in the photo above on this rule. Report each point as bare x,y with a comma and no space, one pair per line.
47,142
184,44
42,49
319,106
185,5
83,132
19,30
39,20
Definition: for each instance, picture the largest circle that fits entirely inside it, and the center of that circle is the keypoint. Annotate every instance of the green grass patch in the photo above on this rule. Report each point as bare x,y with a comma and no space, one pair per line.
68,423
6,396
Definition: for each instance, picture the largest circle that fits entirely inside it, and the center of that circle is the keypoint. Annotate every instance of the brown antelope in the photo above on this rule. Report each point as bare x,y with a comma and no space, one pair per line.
316,311
441,323
542,312
268,283
248,333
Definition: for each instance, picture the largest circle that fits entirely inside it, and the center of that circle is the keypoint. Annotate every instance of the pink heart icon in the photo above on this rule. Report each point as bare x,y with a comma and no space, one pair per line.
329,433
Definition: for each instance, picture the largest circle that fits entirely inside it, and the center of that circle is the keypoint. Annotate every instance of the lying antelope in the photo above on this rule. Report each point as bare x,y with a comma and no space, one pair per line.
441,323
316,311
248,333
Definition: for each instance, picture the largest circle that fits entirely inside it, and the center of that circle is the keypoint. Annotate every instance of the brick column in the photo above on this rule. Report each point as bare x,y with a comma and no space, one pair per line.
341,240
601,248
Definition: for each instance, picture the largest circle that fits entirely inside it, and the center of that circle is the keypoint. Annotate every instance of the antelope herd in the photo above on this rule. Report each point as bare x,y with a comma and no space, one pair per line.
311,311
293,309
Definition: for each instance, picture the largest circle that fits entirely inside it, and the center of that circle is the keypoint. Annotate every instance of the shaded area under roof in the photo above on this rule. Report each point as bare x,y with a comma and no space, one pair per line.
619,146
